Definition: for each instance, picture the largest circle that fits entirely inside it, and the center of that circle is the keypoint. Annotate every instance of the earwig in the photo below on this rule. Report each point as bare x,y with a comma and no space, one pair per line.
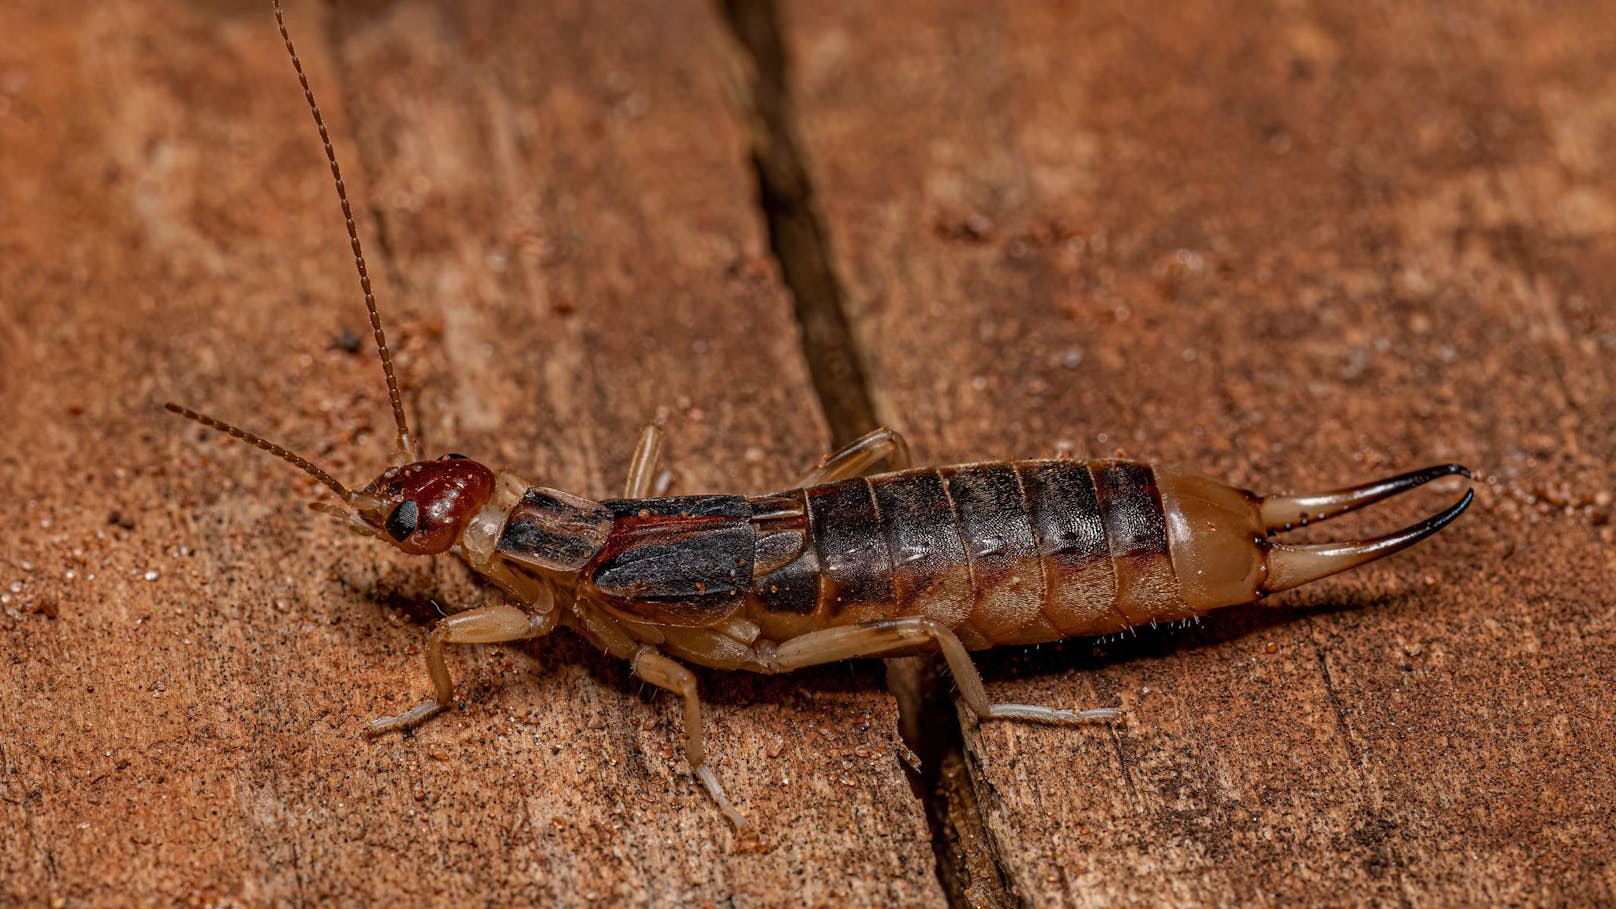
848,563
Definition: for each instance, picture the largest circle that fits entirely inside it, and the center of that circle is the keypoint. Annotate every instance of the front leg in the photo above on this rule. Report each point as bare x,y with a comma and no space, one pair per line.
484,625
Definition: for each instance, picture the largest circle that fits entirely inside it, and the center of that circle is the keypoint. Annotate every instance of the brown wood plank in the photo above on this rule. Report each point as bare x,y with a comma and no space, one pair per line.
560,221
1294,247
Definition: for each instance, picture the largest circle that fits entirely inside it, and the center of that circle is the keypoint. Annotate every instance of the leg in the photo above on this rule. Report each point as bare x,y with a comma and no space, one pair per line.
642,469
883,638
858,456
668,674
485,625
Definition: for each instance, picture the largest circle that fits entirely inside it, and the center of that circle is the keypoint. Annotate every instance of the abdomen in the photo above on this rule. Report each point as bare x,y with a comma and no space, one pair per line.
1003,553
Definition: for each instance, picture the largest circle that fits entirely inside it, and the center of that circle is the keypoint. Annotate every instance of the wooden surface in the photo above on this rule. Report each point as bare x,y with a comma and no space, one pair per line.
1296,248
1293,247
562,226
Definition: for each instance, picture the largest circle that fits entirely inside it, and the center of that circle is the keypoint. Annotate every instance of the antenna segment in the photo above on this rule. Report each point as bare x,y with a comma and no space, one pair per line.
406,443
279,452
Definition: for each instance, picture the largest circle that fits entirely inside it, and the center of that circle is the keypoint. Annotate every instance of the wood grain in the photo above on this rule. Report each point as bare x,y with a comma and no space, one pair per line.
1291,246
559,214
1295,247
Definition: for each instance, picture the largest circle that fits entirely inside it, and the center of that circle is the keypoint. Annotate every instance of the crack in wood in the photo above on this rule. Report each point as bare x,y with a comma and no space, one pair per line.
798,235
970,872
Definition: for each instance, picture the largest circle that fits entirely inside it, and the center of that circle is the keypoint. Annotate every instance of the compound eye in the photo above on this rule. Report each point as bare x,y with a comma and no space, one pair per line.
401,523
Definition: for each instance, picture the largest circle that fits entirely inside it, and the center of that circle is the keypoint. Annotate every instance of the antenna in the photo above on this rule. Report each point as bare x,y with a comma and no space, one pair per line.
406,443
266,445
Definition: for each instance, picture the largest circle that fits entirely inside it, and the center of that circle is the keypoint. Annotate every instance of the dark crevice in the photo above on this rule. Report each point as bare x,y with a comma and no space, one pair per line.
798,236
800,240
967,864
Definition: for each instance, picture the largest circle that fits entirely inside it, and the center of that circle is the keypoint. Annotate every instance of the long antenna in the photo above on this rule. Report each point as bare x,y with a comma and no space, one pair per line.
266,445
406,443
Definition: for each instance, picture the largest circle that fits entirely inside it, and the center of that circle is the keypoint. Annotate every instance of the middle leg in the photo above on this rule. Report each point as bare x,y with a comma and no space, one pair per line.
858,456
668,674
642,469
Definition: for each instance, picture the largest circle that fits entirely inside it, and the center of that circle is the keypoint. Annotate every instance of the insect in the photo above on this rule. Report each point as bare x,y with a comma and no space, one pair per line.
848,563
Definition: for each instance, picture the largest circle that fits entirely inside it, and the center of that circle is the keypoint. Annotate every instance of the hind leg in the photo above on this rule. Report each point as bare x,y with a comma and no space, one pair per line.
897,636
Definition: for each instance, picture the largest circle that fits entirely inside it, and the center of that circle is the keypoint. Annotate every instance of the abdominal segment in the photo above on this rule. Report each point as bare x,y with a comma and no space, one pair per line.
1003,553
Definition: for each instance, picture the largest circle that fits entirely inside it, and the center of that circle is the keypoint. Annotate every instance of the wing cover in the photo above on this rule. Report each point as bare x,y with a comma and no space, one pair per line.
683,560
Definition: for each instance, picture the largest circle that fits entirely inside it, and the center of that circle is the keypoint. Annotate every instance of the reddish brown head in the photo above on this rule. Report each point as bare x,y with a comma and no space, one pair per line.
423,507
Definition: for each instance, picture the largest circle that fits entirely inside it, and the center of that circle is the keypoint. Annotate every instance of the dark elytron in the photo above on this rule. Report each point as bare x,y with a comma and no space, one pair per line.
685,560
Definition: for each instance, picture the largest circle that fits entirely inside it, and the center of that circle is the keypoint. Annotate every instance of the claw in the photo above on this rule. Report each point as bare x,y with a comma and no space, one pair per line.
1281,513
1293,565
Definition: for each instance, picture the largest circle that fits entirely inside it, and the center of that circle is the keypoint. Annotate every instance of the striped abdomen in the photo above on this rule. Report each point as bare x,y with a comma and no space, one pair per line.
1003,553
